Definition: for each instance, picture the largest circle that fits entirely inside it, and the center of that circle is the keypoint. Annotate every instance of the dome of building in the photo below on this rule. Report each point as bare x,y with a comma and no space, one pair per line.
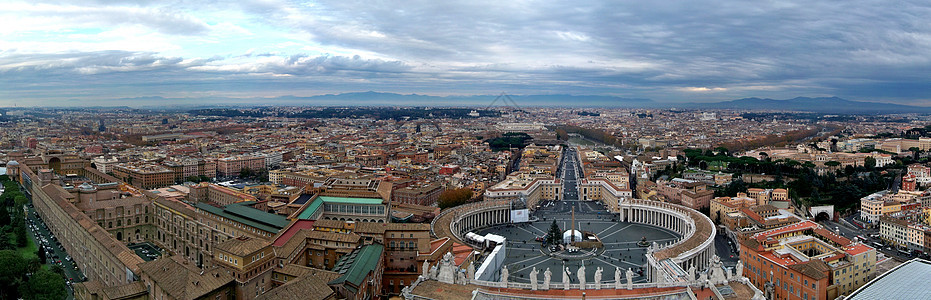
567,236
86,187
12,163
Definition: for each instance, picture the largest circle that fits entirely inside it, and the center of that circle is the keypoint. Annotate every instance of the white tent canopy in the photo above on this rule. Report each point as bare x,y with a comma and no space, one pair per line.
567,236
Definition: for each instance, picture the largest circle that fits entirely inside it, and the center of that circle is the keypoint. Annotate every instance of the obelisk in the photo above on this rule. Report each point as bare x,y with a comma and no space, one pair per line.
572,233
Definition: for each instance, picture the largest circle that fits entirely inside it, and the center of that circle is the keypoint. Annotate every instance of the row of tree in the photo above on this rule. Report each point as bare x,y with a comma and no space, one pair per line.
775,140
597,135
13,233
21,275
454,197
509,140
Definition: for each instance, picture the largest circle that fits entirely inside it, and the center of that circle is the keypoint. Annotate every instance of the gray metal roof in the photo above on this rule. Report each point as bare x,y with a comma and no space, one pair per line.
909,280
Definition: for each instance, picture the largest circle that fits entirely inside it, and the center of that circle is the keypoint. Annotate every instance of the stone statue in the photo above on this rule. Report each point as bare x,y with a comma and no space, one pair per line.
447,269
533,278
617,277
739,269
426,268
703,278
547,276
471,271
581,275
717,271
692,273
461,278
630,279
504,275
565,278
598,278
434,271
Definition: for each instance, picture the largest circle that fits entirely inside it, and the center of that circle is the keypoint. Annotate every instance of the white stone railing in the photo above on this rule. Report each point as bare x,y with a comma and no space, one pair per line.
576,286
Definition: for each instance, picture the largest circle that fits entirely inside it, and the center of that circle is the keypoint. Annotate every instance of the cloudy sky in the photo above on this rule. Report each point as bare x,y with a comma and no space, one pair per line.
54,52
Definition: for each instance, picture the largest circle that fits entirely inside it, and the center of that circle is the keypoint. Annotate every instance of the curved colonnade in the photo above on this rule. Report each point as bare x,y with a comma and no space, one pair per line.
696,246
693,249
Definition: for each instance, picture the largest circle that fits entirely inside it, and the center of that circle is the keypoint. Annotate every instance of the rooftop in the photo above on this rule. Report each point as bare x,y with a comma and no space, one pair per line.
355,266
242,213
907,281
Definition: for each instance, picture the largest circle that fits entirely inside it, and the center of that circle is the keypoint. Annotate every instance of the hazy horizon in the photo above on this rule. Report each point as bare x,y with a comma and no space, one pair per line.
55,53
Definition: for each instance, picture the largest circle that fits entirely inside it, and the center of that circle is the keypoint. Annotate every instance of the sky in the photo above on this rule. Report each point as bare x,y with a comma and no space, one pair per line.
83,51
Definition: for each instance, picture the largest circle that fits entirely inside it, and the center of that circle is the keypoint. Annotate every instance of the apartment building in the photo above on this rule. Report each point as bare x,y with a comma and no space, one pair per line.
249,261
145,175
805,261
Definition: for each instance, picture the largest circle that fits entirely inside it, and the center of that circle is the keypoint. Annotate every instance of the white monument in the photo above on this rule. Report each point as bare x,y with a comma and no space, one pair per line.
630,279
546,278
447,269
565,278
717,271
533,278
504,275
617,278
598,278
692,273
581,274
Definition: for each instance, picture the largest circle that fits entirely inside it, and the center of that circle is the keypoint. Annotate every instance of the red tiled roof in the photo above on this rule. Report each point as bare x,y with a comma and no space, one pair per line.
291,230
856,249
437,243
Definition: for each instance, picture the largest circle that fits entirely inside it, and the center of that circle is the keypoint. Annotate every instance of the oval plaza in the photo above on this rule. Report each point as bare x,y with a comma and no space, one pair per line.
614,245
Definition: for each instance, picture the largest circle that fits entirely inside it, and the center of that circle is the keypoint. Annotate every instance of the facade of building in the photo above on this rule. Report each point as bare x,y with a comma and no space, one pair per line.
805,261
146,176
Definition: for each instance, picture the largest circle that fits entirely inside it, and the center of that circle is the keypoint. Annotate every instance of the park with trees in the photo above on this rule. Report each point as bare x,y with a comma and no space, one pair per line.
23,275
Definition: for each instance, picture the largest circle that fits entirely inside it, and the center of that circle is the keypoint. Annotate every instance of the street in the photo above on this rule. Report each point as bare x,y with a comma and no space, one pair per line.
847,228
55,252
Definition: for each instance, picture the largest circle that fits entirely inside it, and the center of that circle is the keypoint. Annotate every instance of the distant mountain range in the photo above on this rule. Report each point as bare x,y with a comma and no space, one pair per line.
820,105
827,105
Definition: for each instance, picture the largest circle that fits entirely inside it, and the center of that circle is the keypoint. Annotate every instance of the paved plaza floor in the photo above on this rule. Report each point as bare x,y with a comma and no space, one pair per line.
620,240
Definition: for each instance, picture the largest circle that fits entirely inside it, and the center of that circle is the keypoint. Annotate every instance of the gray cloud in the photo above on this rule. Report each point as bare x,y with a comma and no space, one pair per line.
867,50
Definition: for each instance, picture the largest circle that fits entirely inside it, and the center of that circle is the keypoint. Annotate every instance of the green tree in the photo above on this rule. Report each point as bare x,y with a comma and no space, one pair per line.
12,274
4,217
245,173
869,162
19,230
722,151
554,235
41,254
20,200
5,240
43,285
915,151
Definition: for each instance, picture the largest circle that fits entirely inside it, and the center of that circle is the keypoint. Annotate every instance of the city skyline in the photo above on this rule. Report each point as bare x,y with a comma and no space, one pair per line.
93,52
